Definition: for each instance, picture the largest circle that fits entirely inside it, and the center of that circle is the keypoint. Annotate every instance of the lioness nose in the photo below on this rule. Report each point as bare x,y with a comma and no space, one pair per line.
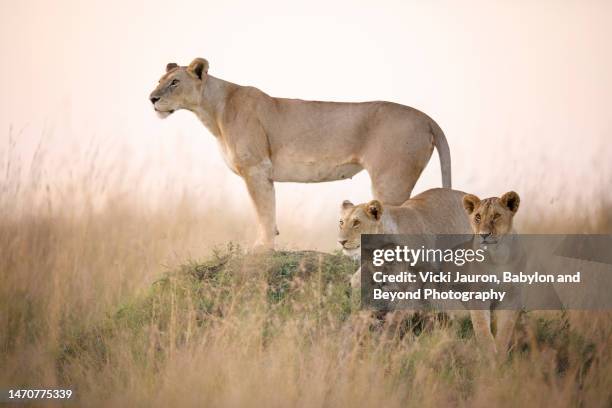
342,241
485,236
154,99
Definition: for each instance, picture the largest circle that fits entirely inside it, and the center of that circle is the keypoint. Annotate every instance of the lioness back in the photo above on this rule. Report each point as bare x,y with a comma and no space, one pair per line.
435,211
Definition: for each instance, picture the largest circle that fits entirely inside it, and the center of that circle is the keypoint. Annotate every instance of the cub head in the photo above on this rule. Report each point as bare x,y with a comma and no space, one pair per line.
180,87
356,220
492,217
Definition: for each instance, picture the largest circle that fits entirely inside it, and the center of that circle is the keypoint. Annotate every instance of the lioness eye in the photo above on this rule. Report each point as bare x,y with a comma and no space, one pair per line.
341,223
477,218
356,223
174,82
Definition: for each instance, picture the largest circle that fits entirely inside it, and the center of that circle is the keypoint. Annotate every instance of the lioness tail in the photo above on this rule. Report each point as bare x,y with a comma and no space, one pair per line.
443,152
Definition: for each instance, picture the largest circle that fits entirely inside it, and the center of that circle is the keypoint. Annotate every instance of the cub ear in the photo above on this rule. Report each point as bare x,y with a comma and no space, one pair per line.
198,67
470,202
346,204
511,200
170,66
374,209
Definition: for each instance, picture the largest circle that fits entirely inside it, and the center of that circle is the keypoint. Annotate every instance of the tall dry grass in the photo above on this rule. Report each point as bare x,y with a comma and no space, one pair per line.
76,255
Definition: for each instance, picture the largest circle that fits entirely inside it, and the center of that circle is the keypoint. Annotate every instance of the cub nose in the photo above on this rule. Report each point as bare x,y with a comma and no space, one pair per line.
154,99
485,236
342,241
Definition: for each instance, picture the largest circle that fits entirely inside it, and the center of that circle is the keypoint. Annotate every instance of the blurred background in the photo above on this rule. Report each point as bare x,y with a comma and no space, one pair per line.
99,198
522,90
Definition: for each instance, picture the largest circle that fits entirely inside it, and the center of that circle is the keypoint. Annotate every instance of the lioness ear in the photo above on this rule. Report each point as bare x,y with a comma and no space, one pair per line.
470,201
198,67
511,200
374,209
170,66
346,204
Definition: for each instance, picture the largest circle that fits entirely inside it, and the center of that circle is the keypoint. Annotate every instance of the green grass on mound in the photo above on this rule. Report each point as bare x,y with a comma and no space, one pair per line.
287,319
280,286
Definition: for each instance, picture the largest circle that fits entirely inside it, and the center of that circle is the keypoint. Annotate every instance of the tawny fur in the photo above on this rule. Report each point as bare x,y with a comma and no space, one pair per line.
435,211
491,220
266,139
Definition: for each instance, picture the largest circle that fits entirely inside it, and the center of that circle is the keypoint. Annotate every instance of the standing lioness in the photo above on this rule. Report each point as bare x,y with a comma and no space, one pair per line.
265,139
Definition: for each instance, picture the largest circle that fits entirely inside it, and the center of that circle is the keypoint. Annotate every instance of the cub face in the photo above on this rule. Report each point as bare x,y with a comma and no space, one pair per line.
179,87
356,220
492,217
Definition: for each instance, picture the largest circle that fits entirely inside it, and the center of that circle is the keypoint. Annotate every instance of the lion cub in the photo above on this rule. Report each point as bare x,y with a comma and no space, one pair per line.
435,211
491,221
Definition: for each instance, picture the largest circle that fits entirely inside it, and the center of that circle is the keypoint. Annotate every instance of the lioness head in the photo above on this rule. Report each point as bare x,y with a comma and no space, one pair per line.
356,220
180,87
492,217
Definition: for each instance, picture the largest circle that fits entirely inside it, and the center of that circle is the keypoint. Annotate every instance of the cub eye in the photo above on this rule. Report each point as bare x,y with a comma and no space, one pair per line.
496,216
341,223
174,82
477,218
356,223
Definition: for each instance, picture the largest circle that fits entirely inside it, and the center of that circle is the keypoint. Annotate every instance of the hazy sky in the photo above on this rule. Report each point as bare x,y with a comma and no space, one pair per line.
522,89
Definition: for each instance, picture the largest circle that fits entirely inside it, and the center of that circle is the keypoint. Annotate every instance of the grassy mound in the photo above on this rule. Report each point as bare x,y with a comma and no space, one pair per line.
281,329
281,286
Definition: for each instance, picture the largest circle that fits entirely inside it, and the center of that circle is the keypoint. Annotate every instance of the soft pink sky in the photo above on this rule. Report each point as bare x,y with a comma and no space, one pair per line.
522,89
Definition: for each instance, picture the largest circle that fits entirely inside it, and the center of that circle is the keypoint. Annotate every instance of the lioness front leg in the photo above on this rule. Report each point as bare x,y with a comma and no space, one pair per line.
356,280
481,322
506,320
261,190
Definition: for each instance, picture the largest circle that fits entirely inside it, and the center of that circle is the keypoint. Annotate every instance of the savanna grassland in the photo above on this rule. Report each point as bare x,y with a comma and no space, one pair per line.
133,305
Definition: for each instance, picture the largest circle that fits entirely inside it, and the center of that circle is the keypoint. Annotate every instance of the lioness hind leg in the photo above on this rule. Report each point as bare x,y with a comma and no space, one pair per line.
391,190
395,161
393,185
